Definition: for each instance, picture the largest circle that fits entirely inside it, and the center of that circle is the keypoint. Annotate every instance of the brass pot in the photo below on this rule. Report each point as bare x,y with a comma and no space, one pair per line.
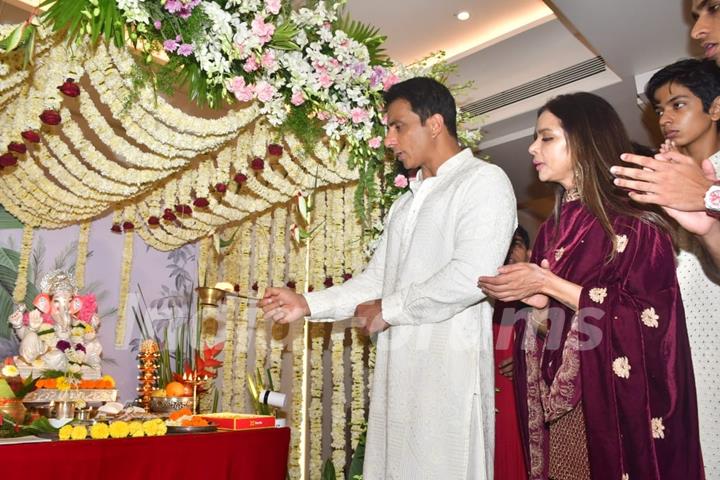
210,296
13,408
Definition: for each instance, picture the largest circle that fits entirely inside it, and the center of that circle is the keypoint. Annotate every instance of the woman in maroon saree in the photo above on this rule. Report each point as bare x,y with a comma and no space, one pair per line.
603,368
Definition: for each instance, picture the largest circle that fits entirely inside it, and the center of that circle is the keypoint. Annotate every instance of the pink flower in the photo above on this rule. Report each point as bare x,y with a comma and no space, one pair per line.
400,181
268,59
157,24
383,120
390,80
298,98
250,64
358,115
325,80
264,31
375,142
323,115
170,45
185,49
273,6
264,91
243,92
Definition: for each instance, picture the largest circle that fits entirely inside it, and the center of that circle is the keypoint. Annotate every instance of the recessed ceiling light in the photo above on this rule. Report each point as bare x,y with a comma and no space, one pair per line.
462,16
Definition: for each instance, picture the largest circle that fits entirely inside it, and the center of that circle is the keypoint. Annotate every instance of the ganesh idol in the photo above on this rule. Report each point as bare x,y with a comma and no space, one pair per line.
61,332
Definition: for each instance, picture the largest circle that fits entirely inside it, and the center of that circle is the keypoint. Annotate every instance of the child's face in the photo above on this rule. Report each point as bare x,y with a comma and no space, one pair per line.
681,115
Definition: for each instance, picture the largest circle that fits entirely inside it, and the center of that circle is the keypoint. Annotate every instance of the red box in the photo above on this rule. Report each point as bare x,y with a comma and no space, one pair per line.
240,421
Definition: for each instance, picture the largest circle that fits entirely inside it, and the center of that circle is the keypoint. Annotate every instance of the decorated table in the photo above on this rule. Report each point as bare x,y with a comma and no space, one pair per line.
260,453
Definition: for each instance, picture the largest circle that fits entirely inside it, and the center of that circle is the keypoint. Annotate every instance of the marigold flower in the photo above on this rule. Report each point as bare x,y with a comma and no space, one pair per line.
119,429
65,432
79,432
150,428
99,431
135,429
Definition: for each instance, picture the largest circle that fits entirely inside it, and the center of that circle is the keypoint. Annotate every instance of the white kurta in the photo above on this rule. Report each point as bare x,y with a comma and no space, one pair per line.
432,398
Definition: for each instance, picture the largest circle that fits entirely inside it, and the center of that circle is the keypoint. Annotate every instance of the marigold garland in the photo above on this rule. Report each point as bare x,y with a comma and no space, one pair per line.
25,250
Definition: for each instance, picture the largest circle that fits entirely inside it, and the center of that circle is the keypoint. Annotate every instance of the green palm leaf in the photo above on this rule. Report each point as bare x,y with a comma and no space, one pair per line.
366,34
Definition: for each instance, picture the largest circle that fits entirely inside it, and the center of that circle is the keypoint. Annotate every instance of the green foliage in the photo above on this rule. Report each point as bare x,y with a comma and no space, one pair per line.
358,458
96,18
304,126
367,35
9,429
9,261
282,39
256,385
328,471
22,37
7,221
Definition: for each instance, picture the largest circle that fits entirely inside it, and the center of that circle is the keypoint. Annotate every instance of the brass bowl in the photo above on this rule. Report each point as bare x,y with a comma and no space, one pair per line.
170,404
210,296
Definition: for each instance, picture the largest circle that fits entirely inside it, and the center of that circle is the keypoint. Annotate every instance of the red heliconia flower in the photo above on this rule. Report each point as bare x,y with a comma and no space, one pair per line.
275,149
50,117
346,276
116,228
17,147
328,282
291,284
257,164
183,209
128,226
153,220
8,160
169,215
70,88
255,286
31,136
240,178
220,187
201,202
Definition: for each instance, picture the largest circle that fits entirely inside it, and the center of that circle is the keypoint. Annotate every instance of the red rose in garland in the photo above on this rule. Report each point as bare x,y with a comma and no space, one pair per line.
220,187
50,117
17,147
31,136
153,220
8,160
257,164
275,150
201,202
70,88
183,210
169,215
240,178
116,228
128,226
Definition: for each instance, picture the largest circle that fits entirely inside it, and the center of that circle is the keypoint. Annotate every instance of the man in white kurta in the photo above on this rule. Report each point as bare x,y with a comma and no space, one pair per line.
432,398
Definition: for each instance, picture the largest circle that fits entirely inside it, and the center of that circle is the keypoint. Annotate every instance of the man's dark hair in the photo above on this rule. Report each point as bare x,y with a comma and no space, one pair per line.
701,77
426,97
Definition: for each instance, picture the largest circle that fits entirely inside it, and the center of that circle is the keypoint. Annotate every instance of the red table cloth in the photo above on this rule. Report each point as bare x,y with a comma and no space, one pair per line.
244,454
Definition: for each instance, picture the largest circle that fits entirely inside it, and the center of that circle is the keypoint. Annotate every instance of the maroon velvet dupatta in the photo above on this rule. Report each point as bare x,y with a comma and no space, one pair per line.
635,379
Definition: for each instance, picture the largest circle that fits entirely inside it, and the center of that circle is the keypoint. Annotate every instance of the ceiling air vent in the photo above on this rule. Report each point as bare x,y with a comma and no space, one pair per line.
562,77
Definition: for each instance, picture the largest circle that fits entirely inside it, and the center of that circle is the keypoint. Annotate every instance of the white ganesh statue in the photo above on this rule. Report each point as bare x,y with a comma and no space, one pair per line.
61,332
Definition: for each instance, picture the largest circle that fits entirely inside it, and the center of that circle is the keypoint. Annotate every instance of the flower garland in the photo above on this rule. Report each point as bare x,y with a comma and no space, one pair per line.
297,461
339,419
124,287
204,247
82,252
25,250
243,323
357,403
262,234
231,266
315,412
278,276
